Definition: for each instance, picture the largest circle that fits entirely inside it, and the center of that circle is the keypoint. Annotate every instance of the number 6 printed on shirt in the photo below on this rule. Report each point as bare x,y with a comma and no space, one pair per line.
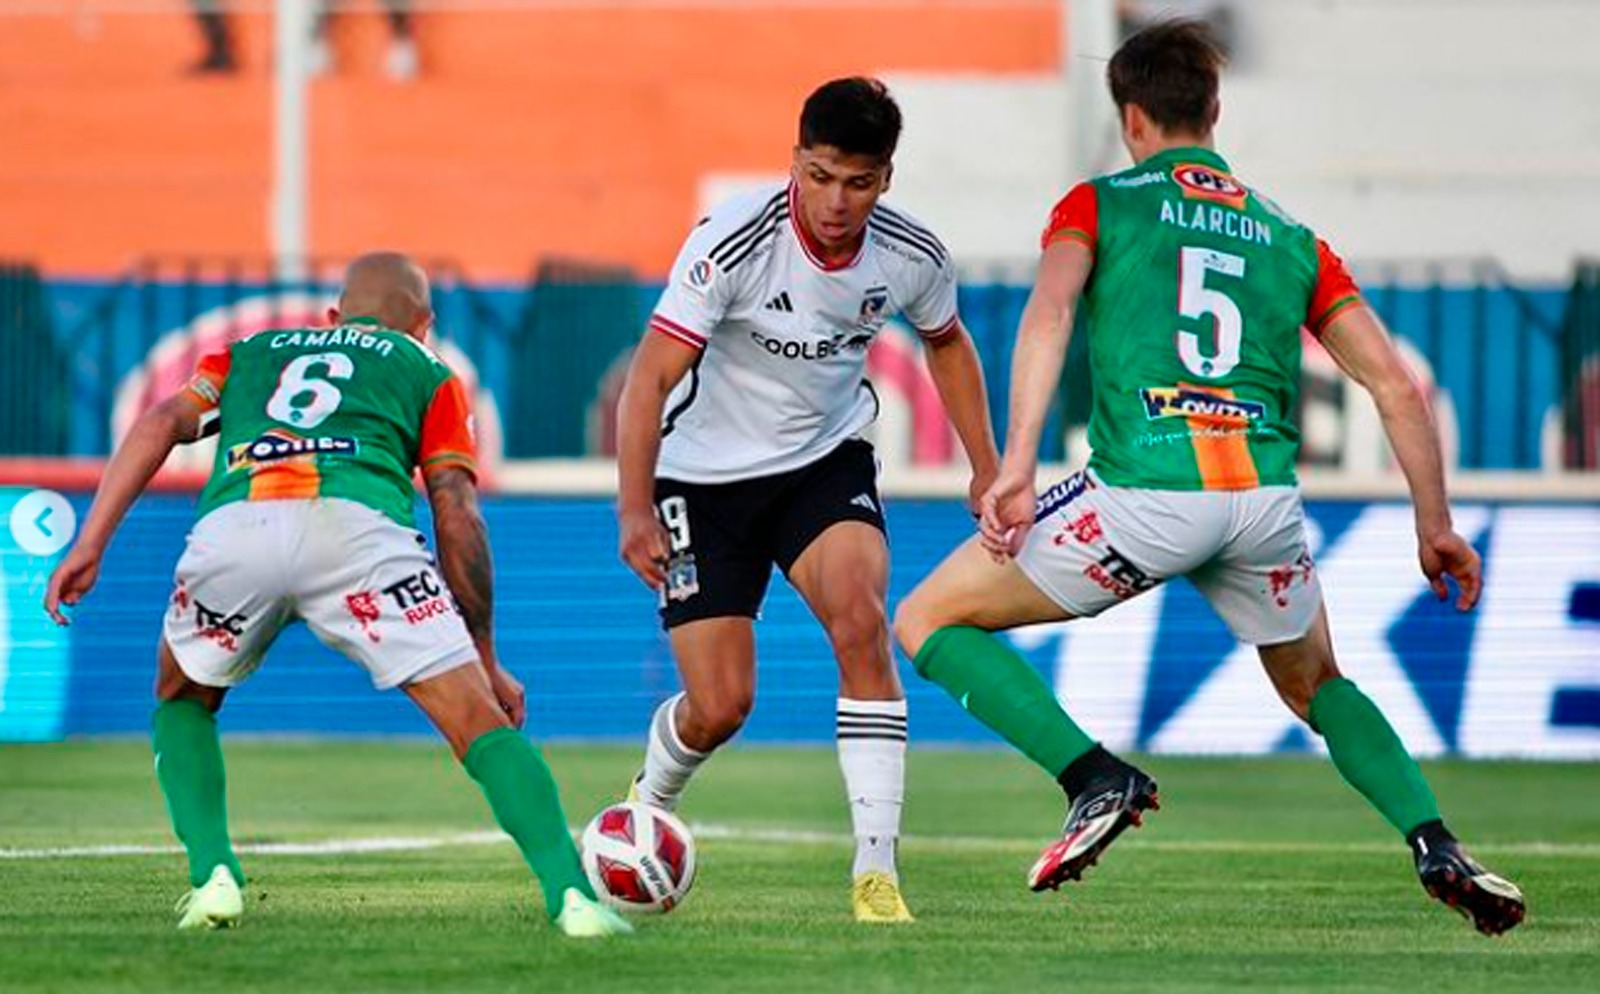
295,383
1196,300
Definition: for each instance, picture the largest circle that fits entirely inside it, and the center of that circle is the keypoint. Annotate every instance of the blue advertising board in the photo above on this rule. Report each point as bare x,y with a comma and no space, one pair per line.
1518,676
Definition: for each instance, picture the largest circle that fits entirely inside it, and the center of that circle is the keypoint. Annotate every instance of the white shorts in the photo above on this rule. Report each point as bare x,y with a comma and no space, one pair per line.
1093,546
364,585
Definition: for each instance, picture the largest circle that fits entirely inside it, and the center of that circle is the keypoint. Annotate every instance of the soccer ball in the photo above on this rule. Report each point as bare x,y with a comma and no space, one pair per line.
639,858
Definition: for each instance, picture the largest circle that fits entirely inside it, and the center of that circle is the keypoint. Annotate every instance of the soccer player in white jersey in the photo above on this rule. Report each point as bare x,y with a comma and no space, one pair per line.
740,448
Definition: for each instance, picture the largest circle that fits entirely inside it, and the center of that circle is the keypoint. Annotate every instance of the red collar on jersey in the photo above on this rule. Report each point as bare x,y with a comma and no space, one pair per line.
813,248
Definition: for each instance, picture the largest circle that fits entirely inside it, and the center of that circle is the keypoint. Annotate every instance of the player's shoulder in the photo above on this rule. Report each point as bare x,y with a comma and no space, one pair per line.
1274,210
1142,176
899,233
732,230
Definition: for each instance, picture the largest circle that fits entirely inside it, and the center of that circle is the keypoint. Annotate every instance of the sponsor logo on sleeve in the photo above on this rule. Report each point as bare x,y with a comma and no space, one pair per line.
702,273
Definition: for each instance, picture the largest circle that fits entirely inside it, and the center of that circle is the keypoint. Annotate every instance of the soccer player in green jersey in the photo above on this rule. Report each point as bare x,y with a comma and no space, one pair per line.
308,515
1196,288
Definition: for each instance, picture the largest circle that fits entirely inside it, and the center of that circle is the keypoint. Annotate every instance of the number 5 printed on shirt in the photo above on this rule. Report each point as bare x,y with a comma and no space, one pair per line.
1196,300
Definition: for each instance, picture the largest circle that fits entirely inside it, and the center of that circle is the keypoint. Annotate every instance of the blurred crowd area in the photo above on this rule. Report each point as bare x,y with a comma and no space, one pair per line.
551,154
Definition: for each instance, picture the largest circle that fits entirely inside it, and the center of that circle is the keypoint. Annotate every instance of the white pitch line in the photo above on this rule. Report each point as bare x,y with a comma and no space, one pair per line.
785,836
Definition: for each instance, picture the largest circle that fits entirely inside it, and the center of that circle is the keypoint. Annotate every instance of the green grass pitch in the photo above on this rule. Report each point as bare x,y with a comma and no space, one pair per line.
1263,874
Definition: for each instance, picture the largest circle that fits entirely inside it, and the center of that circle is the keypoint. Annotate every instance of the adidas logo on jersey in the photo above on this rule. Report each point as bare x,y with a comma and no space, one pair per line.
864,500
780,303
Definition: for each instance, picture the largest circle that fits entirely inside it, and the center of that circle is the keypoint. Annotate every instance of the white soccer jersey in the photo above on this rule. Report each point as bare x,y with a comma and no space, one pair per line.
782,375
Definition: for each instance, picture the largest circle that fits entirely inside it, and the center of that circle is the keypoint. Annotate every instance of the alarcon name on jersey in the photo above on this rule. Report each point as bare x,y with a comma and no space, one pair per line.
1195,305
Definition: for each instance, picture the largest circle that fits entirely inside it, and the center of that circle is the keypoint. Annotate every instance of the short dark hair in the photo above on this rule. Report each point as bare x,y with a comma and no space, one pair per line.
1169,70
855,115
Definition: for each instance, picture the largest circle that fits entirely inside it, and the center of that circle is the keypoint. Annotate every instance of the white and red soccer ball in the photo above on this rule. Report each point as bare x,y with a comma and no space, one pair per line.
639,858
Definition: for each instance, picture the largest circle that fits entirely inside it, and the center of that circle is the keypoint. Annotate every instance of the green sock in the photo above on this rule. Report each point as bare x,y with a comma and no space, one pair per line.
523,795
189,768
999,688
1370,756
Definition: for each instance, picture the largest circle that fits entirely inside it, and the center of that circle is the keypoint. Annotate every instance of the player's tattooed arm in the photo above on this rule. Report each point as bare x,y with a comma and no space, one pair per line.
464,556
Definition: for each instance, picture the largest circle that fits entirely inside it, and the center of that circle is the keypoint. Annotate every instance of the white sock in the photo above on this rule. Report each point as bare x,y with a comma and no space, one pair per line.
668,763
872,756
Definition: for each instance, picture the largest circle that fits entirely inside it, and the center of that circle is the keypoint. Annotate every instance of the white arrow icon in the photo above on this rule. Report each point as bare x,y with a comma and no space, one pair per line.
43,523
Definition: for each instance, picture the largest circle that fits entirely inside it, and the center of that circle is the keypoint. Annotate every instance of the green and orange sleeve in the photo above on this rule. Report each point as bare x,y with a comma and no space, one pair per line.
1076,217
447,437
1333,293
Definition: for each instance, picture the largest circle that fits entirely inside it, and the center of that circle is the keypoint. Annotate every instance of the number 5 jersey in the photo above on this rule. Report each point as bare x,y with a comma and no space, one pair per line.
1194,308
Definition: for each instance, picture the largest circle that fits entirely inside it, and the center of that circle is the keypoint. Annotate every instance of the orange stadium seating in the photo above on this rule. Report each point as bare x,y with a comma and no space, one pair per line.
558,130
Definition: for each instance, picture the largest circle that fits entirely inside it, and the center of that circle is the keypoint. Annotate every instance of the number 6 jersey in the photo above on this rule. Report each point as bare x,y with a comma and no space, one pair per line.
1199,290
331,412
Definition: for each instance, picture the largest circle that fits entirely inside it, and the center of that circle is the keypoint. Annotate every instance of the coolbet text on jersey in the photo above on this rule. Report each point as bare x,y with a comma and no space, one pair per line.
781,379
1199,290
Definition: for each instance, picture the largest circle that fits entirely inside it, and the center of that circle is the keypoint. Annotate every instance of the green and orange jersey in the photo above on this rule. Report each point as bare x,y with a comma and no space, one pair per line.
1194,307
343,412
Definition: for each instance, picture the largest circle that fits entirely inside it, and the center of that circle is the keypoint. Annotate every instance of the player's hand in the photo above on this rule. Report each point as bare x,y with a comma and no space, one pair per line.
1005,513
642,543
508,691
1449,553
72,579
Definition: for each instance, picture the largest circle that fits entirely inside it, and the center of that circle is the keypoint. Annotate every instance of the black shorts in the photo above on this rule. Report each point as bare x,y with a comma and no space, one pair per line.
726,537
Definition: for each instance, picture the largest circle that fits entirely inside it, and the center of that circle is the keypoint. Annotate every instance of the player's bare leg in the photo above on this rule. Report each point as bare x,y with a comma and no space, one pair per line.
193,779
945,625
716,660
843,574
1372,759
521,792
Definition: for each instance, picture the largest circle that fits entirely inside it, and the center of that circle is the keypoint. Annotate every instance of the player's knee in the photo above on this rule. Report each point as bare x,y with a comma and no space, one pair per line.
175,686
859,632
465,726
717,719
1298,690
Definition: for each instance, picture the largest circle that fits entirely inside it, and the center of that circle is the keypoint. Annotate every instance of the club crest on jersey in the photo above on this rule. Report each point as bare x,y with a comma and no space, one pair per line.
874,307
274,446
701,274
1191,402
1204,183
